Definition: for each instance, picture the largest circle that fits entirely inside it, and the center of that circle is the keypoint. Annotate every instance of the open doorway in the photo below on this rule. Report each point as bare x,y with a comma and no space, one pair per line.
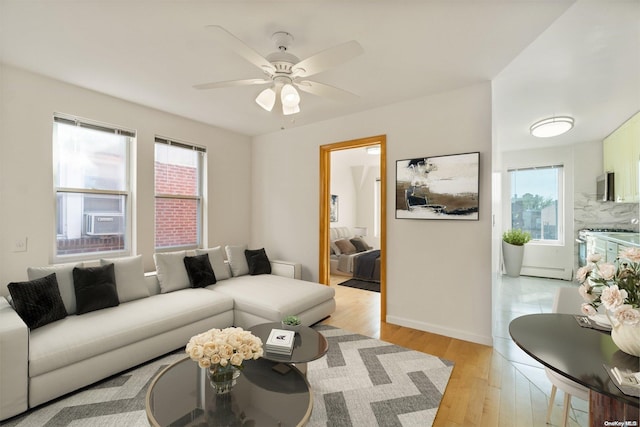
326,201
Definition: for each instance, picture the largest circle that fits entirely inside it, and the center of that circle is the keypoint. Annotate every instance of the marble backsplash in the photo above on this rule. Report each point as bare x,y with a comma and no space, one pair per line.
590,213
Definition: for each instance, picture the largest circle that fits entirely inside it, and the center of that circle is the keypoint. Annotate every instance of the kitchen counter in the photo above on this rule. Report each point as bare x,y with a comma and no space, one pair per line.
625,239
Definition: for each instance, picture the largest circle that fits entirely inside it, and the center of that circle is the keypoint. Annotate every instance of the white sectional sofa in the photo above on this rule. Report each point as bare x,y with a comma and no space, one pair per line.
41,364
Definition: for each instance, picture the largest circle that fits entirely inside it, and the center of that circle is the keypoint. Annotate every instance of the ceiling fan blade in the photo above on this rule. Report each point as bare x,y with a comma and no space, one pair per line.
324,90
233,43
232,83
327,58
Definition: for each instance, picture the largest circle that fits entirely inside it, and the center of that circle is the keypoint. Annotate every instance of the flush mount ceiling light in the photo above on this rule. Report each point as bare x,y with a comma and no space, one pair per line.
552,126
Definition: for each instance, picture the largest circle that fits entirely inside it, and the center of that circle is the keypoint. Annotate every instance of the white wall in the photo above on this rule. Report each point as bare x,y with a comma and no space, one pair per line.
27,104
342,186
438,272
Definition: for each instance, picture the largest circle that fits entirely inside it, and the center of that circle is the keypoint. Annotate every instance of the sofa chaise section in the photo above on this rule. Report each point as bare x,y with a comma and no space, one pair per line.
268,298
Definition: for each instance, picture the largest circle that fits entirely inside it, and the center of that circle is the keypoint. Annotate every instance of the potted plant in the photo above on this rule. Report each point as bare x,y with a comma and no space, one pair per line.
291,323
513,242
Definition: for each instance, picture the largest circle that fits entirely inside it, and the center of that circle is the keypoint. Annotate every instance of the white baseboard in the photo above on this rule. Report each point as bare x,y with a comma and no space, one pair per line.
436,329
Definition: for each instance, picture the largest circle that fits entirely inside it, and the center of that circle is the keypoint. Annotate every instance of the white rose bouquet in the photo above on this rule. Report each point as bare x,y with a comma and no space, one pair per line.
223,347
616,286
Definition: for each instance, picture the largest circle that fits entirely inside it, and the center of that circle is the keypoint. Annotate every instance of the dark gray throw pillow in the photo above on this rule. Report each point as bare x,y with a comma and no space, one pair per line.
199,270
258,261
95,288
38,302
360,244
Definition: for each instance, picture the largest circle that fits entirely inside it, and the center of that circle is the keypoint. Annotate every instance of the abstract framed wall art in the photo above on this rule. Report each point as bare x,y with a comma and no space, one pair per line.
333,208
439,187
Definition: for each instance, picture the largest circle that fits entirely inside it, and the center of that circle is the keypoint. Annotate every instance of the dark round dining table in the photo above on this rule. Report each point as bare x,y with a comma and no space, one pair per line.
581,354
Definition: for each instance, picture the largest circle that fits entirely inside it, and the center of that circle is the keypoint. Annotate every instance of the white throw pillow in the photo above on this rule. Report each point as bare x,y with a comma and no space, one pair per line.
129,277
64,277
237,259
216,257
172,274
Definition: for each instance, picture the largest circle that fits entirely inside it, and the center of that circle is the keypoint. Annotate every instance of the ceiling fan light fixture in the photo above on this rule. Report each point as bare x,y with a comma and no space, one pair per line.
289,95
552,126
266,99
288,110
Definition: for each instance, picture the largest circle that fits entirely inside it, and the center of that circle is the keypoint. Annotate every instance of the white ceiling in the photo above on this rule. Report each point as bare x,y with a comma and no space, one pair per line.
152,52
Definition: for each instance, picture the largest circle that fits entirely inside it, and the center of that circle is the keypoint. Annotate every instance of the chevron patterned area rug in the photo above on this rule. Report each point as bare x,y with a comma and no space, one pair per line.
360,382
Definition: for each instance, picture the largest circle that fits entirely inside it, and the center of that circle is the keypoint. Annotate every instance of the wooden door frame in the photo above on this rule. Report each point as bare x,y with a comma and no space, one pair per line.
325,189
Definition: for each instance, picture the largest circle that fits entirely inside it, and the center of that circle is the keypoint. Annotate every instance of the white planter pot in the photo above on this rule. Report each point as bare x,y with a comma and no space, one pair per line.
512,256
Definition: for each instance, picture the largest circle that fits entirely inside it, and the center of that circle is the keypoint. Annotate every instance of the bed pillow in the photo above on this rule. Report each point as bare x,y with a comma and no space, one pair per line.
335,247
359,244
237,259
64,277
257,261
345,246
199,271
37,302
172,274
216,258
130,281
95,288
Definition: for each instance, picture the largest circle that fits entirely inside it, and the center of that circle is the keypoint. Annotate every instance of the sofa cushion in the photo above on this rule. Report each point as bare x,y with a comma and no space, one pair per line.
37,302
216,258
95,288
237,259
199,271
129,277
76,338
257,261
272,297
172,274
64,277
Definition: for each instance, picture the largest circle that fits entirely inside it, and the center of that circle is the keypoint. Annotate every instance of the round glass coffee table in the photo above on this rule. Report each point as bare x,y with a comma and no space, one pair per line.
181,396
309,345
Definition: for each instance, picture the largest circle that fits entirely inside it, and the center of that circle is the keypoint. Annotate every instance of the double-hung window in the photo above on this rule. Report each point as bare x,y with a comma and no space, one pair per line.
91,163
178,194
537,202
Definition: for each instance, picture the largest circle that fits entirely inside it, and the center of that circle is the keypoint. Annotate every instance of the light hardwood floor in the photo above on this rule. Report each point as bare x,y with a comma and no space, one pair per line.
485,389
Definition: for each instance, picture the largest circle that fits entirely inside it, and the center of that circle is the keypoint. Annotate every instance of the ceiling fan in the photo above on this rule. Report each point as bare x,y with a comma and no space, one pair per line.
284,72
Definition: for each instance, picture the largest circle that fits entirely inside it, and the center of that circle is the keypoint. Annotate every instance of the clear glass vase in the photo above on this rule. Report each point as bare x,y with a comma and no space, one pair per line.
223,378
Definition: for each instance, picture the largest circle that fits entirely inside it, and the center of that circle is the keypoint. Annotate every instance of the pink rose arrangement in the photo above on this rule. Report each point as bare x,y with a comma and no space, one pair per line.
616,286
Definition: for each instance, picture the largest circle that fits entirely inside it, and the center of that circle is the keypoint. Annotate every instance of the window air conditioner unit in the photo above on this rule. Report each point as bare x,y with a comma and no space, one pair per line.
103,224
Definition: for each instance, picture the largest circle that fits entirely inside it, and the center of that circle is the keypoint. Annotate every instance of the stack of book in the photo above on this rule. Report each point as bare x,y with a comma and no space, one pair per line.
280,341
626,380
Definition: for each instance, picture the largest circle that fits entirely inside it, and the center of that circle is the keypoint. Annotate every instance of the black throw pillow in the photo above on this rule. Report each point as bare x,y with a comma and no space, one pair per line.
360,244
38,302
199,271
95,288
257,261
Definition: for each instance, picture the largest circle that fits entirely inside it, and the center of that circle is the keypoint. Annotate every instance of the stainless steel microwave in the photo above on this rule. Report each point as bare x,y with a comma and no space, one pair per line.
605,188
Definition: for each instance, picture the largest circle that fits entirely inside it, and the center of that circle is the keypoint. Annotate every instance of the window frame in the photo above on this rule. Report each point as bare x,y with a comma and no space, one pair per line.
199,198
58,191
560,241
